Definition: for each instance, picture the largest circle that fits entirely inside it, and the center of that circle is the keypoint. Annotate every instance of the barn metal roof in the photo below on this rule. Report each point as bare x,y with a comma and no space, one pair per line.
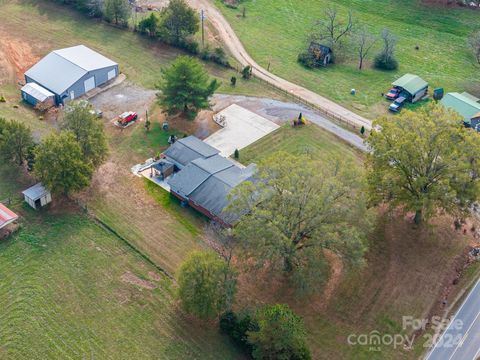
37,92
35,192
464,104
411,83
6,215
62,68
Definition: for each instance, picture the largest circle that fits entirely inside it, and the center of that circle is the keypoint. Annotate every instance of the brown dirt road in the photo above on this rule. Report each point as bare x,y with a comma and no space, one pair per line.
237,50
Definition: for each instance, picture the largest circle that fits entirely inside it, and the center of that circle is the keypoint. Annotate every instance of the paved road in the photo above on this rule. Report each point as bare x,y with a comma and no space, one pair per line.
238,51
281,112
461,339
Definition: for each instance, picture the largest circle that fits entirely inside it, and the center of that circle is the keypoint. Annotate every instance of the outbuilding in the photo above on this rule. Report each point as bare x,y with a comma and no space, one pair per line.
69,73
37,196
34,94
7,216
412,87
467,105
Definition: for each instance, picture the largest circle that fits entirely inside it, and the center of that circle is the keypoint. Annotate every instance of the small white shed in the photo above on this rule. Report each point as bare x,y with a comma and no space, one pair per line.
37,196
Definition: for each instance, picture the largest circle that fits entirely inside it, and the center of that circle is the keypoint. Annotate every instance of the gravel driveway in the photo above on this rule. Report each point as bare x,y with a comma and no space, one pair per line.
121,98
281,112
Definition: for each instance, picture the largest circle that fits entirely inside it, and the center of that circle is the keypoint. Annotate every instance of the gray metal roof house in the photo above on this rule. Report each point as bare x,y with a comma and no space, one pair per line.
69,73
190,148
205,178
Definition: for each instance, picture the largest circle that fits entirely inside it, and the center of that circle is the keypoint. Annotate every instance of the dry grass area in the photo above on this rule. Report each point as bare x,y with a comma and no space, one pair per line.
409,271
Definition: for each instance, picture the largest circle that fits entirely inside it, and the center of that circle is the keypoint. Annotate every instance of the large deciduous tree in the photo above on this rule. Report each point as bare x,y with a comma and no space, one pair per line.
424,161
178,21
332,29
206,285
281,335
15,141
60,164
364,41
296,208
186,87
81,120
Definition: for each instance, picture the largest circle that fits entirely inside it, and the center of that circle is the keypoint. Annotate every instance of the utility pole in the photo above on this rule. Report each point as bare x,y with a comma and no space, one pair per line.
202,17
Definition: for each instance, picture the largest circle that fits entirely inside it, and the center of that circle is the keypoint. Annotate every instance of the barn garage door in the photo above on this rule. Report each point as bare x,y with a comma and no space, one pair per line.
111,74
89,84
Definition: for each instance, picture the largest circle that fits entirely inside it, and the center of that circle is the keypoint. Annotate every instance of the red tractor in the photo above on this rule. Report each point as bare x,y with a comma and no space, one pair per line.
127,117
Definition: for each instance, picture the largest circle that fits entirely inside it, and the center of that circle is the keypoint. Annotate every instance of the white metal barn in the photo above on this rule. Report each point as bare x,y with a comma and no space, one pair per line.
37,196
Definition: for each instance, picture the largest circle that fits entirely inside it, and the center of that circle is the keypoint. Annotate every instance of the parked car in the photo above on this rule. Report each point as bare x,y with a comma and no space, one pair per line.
127,117
393,93
397,105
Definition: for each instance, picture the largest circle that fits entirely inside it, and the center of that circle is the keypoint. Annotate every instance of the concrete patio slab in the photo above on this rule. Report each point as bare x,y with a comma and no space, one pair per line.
241,128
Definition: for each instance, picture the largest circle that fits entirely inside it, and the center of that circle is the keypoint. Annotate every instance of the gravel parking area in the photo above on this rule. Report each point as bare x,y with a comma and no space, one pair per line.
121,98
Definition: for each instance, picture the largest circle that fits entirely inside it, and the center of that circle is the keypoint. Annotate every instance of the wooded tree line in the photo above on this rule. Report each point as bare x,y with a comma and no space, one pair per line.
115,11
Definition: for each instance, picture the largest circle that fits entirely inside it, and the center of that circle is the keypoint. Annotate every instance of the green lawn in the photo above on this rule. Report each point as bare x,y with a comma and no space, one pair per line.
72,290
309,138
443,58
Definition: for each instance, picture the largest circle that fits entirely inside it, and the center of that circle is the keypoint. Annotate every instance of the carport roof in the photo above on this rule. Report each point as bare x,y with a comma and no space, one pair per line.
6,215
62,68
37,92
411,83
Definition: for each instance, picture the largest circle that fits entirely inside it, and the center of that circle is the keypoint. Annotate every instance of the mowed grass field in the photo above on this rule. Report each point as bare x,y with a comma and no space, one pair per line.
406,272
72,290
443,58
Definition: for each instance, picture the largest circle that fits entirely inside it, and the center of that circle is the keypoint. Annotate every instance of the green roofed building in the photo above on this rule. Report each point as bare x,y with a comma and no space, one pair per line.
413,87
466,105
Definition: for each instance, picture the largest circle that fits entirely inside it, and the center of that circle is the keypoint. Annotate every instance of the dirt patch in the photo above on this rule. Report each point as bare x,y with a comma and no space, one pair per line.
202,127
154,276
131,278
16,57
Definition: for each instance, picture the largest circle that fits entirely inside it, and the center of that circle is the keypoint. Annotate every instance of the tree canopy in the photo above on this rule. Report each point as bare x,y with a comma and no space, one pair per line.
60,164
117,11
178,21
280,335
15,141
81,120
424,161
186,87
296,209
206,285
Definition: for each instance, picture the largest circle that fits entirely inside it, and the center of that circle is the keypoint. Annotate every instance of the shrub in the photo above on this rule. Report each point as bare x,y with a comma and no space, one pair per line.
384,62
247,72
306,59
2,99
190,46
216,55
233,81
236,154
236,327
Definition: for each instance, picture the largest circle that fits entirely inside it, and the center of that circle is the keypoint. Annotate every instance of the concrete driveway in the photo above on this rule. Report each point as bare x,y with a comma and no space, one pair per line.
241,128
